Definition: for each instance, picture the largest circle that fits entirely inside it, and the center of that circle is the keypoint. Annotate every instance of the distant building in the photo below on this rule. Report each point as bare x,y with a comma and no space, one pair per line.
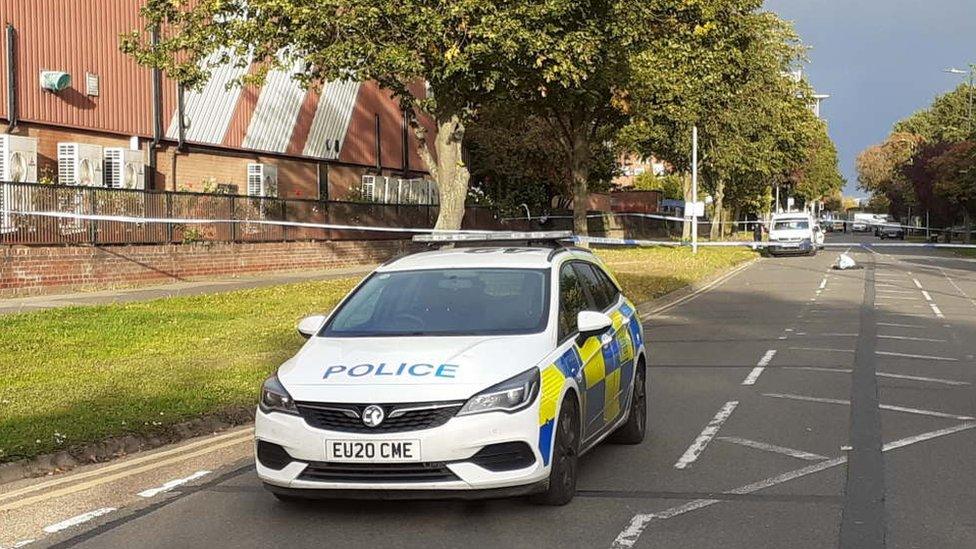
344,141
630,165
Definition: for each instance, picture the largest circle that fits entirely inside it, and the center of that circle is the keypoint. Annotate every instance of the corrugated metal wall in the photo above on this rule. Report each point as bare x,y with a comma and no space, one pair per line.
79,37
82,36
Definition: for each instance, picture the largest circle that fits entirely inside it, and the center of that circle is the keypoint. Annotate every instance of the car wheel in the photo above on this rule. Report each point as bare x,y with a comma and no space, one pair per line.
633,431
565,457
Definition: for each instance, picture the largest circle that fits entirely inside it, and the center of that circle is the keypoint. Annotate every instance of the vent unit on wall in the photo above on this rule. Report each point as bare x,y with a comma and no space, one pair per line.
262,180
124,168
80,164
18,164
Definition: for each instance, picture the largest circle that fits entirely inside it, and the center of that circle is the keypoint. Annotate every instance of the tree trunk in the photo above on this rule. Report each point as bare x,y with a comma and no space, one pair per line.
716,230
579,158
448,169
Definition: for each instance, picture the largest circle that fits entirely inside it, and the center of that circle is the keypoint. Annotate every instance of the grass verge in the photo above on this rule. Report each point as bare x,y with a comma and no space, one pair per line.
80,374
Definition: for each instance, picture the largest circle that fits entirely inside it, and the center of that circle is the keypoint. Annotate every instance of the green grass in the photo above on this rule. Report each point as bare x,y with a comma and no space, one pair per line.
80,374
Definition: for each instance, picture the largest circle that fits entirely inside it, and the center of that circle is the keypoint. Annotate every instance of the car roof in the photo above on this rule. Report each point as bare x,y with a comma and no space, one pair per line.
500,257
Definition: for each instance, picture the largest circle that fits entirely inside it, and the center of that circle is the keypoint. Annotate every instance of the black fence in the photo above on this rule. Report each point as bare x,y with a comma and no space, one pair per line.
38,214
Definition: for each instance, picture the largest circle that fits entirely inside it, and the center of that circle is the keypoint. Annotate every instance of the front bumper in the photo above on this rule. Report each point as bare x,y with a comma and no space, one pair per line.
801,247
448,446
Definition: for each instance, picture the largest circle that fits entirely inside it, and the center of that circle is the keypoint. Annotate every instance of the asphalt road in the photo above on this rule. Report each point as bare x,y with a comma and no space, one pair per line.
791,406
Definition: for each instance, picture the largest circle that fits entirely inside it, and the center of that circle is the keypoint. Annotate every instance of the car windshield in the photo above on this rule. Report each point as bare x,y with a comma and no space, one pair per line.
445,302
791,224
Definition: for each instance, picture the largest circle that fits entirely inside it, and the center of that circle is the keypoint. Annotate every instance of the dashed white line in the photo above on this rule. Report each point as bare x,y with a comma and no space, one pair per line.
75,521
172,484
917,283
920,357
889,407
628,536
927,296
706,436
760,366
824,349
823,284
907,338
936,310
766,447
896,325
921,378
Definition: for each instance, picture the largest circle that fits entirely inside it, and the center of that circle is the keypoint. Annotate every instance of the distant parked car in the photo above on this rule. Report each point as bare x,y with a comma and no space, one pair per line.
891,230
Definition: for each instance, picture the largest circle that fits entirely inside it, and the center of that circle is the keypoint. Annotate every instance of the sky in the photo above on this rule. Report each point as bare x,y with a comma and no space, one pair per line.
880,61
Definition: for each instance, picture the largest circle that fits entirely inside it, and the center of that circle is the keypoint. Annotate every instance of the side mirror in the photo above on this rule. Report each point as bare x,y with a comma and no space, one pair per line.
591,323
310,325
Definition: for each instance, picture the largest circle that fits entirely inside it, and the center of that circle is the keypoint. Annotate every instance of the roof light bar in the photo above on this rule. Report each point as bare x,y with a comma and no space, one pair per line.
499,236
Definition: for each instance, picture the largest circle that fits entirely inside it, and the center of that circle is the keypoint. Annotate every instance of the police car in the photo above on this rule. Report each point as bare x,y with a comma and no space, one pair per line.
484,369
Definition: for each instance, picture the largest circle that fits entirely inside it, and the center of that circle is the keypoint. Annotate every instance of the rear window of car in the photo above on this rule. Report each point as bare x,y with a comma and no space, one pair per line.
445,302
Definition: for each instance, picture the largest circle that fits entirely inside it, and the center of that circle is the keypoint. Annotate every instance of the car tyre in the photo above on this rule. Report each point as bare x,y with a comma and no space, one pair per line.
565,457
634,430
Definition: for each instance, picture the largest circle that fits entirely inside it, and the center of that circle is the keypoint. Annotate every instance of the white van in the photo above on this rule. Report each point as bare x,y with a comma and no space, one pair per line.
793,233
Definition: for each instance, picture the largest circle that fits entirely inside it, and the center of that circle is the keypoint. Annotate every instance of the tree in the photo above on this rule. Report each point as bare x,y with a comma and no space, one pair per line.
955,172
723,67
818,176
946,120
670,185
463,50
881,170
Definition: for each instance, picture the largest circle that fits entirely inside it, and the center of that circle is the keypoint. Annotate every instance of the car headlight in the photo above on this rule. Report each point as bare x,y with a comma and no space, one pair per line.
274,398
508,396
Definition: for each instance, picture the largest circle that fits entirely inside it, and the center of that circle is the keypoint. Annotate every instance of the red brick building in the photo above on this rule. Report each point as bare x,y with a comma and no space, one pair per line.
319,143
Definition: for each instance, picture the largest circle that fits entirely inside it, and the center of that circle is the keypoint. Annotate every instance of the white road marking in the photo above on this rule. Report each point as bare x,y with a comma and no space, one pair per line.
927,296
887,291
824,349
921,357
956,286
75,521
760,366
172,484
766,447
917,283
209,446
921,378
896,297
23,543
889,407
836,334
906,338
823,283
895,325
628,536
706,436
936,310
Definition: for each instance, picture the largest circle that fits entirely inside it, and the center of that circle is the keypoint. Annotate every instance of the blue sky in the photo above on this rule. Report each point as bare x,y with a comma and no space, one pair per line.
880,60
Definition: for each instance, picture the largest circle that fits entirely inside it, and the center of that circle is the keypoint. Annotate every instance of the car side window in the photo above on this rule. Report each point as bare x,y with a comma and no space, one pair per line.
595,285
572,300
611,287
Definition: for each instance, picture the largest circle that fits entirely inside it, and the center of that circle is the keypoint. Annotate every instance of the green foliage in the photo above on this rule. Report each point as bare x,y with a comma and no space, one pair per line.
819,175
945,121
671,185
955,172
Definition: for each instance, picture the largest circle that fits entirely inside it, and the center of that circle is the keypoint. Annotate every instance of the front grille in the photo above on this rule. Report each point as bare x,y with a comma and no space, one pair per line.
506,456
399,418
377,472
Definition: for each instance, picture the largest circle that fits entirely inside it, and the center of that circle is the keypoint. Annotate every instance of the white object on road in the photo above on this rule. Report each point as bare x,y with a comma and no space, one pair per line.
845,261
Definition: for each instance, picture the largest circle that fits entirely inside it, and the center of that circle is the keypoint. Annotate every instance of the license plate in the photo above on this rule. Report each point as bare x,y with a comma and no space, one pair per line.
373,451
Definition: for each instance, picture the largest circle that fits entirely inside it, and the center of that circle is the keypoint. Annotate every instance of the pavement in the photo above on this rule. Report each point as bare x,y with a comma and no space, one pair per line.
792,405
173,289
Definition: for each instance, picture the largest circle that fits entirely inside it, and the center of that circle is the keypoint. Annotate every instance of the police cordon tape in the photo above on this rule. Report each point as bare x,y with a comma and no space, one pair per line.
606,241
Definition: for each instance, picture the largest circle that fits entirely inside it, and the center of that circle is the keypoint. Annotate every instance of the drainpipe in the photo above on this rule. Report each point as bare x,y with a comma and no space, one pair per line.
181,112
11,81
157,113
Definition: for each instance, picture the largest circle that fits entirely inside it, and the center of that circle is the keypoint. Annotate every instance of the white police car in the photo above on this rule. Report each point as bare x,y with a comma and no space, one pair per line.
474,371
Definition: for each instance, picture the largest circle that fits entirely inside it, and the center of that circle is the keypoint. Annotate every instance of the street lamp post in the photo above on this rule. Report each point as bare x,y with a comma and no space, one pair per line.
972,86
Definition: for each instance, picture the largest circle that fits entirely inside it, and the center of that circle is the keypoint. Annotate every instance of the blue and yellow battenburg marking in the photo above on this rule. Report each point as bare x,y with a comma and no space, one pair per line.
608,369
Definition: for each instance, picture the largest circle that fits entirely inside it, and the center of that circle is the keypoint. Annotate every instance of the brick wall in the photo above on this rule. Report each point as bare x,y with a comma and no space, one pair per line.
37,270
